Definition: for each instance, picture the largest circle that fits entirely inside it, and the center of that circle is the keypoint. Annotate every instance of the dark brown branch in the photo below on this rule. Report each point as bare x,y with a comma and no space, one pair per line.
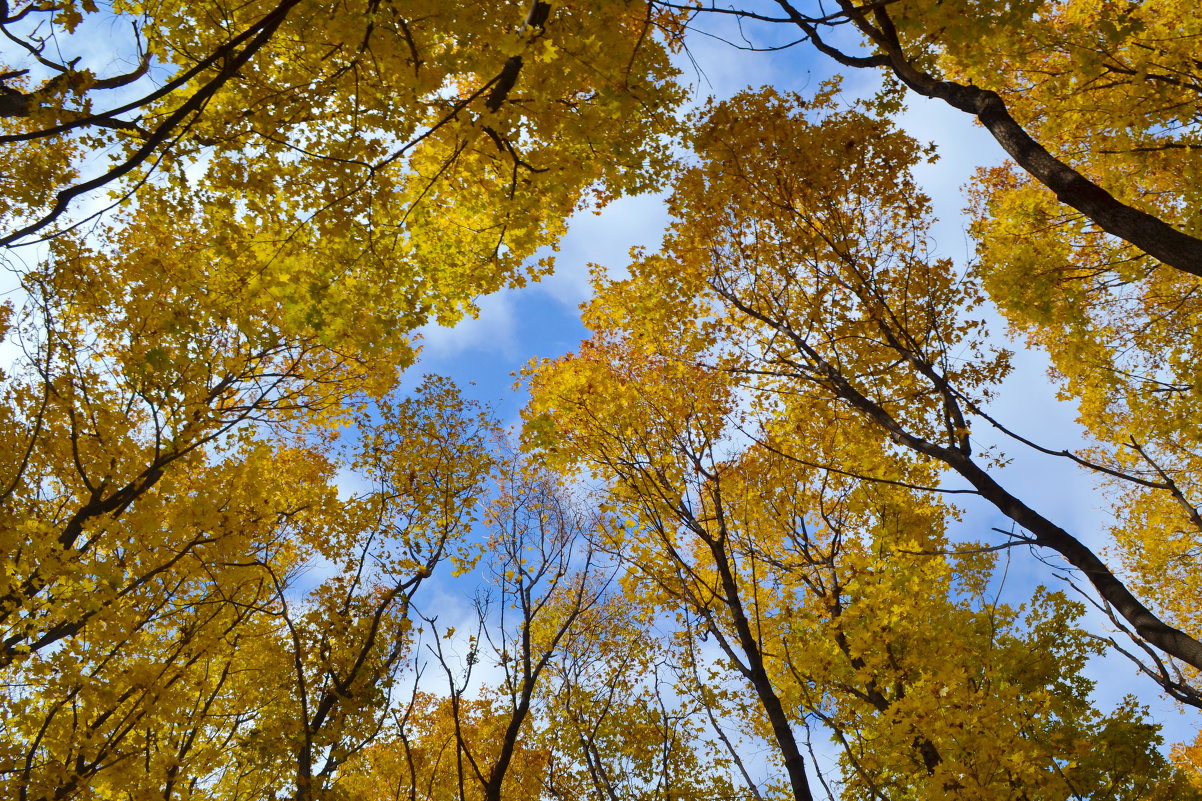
1145,231
539,12
1047,534
265,30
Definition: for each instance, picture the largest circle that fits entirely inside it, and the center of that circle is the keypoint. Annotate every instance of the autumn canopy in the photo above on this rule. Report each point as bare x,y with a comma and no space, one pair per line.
735,550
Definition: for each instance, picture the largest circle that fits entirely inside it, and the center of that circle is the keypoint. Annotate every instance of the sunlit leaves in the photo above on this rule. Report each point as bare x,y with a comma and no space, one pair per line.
773,398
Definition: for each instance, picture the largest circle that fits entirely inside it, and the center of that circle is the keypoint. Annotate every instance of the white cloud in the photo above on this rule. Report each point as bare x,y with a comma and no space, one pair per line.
492,330
604,239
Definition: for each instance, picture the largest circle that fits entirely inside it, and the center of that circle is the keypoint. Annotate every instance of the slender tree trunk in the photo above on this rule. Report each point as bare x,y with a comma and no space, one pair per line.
782,730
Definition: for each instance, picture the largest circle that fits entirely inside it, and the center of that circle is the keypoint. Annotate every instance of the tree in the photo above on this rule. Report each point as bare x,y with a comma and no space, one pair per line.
259,279
177,653
1075,92
616,727
338,173
1098,103
295,188
795,368
543,580
836,601
194,604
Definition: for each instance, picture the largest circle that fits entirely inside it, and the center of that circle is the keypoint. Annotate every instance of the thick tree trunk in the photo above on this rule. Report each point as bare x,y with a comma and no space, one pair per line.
1146,232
